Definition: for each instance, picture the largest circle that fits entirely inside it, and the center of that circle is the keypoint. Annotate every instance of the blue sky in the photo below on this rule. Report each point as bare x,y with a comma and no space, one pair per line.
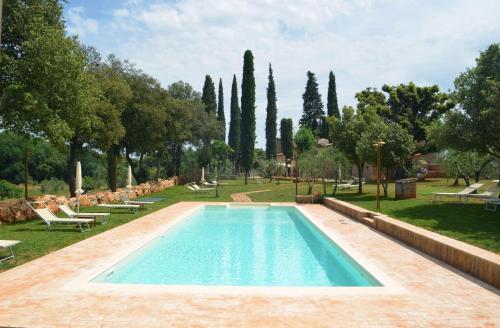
365,42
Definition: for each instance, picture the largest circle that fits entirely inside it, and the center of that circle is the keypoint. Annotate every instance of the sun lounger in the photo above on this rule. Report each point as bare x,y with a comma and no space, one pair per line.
349,184
72,214
462,194
131,207
194,187
210,184
50,219
141,203
494,202
490,193
8,244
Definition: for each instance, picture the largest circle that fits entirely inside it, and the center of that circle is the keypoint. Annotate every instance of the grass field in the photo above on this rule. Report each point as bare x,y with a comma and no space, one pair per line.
469,223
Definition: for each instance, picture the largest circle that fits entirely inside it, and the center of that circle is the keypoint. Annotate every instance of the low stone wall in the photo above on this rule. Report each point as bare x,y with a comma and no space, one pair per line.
16,210
470,259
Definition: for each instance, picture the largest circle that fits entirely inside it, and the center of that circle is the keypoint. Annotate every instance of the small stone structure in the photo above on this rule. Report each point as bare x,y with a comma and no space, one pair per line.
16,210
406,188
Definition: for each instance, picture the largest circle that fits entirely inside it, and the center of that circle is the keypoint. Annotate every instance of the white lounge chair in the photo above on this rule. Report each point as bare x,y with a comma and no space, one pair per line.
72,214
131,207
462,194
50,219
490,193
8,244
194,187
210,184
351,183
141,203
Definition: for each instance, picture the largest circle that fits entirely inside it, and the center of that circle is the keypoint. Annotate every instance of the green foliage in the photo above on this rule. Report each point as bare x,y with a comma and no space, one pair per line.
268,168
465,164
52,186
332,104
304,140
271,113
346,132
398,147
286,134
9,190
183,90
247,140
415,108
309,166
476,125
234,126
221,117
90,183
313,106
208,96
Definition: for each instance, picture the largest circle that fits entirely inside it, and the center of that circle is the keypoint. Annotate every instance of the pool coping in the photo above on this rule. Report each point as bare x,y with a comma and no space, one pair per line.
82,282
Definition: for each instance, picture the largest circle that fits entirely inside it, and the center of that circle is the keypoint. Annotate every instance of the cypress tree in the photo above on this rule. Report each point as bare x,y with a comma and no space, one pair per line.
234,124
286,133
208,97
247,140
313,106
220,112
271,112
332,104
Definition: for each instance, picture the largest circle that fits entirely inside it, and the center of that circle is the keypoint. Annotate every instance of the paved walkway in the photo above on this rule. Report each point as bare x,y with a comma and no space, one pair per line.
36,294
242,196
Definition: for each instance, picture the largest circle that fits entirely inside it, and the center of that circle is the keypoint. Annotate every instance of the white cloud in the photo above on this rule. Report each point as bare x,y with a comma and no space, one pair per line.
365,42
79,25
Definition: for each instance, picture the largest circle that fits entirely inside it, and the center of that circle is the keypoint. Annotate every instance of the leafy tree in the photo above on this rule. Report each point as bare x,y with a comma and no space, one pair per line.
332,104
415,108
309,167
220,112
464,164
330,162
221,152
286,133
247,140
271,112
183,90
313,106
346,133
398,147
208,96
475,125
268,168
234,125
304,140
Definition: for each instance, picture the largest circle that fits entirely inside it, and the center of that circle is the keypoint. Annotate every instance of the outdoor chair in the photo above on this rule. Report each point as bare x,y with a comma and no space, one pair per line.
8,244
462,194
72,214
131,207
51,220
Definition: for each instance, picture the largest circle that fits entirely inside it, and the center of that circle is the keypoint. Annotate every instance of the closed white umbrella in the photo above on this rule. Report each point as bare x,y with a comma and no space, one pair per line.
202,173
78,183
129,177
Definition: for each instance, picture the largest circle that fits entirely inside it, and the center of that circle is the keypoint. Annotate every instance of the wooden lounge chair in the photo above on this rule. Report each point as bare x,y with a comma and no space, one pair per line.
51,220
72,214
132,207
8,244
462,194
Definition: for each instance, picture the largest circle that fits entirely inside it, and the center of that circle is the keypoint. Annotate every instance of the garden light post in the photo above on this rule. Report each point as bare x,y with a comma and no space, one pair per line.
377,146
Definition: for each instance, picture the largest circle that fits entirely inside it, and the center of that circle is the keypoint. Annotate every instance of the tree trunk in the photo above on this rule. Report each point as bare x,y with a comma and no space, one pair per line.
74,146
178,158
324,186
467,180
455,183
360,169
334,191
246,177
385,184
158,167
477,174
112,159
26,174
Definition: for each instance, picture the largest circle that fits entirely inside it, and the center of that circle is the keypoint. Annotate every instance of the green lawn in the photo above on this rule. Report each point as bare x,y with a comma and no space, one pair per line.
467,223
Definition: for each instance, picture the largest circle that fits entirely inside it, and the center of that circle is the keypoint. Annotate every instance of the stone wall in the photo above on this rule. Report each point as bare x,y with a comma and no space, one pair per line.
16,210
472,260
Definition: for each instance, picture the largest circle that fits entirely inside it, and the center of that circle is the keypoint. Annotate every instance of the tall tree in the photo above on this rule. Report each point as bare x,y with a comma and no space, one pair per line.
183,90
476,125
221,117
415,108
271,111
247,114
332,104
286,134
234,124
313,106
208,96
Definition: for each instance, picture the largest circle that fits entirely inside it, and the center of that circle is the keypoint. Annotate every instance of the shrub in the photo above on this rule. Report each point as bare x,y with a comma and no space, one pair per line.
52,186
9,190
90,183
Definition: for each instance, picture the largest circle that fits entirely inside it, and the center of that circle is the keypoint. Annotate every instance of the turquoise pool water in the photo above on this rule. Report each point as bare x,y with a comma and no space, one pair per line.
241,246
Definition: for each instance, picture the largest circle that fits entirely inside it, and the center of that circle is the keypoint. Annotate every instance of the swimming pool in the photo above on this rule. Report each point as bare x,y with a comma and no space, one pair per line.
241,246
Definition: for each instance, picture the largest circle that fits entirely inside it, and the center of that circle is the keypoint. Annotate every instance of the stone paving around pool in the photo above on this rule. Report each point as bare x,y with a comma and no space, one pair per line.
432,294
